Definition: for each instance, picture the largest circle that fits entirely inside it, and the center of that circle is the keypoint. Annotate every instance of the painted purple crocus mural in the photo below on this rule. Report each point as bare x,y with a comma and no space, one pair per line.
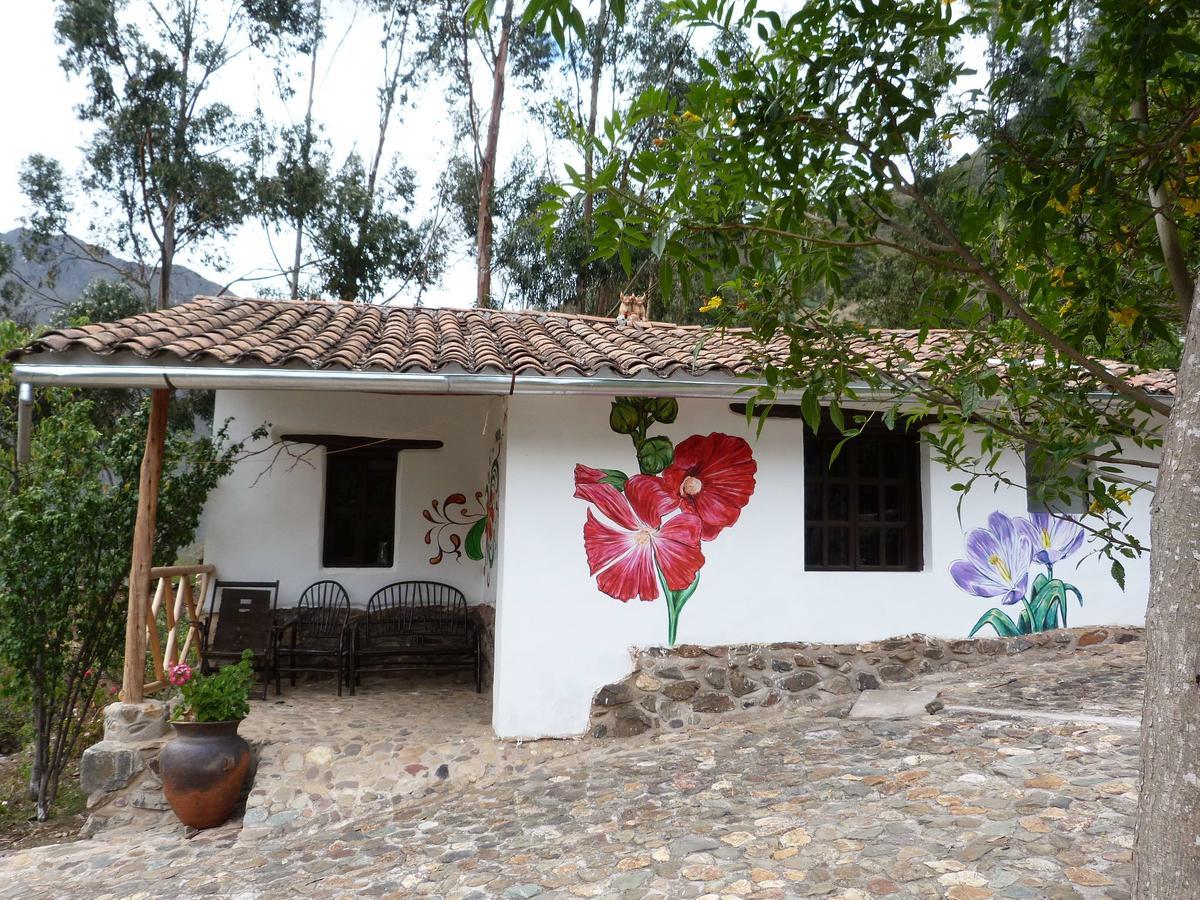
999,562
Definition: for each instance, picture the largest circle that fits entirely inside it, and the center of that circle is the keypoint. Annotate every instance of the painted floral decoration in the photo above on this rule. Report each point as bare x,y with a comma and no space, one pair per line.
448,518
998,564
643,533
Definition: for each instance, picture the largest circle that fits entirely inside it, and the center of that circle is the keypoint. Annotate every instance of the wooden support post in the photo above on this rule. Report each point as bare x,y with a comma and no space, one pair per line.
142,556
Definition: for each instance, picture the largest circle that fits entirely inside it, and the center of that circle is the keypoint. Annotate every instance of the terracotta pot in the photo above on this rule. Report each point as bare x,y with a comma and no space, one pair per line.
203,771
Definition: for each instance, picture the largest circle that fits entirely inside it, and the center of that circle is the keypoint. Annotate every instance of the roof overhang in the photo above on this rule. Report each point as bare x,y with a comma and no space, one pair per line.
88,370
217,377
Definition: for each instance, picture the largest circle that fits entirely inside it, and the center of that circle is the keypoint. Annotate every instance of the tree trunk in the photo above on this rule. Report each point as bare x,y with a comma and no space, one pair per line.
487,170
167,261
39,770
583,276
306,150
1174,259
589,152
134,674
1167,851
41,732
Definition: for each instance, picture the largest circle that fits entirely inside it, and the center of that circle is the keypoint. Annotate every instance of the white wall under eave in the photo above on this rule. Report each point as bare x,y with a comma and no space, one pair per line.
264,521
559,639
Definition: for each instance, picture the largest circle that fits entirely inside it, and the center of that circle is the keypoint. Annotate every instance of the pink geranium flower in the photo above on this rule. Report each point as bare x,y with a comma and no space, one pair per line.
712,476
633,537
179,674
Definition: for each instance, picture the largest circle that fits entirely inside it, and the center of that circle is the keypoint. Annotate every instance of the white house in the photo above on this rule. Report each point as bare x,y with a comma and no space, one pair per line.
527,492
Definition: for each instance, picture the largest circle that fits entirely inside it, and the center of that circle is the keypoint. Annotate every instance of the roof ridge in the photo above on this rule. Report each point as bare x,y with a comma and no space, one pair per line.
486,311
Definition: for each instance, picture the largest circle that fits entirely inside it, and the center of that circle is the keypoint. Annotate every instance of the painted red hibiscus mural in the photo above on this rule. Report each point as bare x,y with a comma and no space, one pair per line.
643,532
713,477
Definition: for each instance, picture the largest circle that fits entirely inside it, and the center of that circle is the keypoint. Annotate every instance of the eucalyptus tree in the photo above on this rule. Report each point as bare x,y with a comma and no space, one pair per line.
480,53
174,161
1066,240
606,52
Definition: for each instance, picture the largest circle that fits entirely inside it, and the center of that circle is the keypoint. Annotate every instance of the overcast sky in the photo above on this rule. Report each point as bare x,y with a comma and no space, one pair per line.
38,100
37,106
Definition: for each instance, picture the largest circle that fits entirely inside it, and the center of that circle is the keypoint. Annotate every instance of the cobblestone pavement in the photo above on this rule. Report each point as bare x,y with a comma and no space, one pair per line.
779,804
322,757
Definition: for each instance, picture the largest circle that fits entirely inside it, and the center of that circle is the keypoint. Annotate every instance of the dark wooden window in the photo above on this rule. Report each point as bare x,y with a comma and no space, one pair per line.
862,512
360,507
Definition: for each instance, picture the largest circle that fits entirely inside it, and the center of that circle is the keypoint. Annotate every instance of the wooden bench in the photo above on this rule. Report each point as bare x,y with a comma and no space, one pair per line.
416,626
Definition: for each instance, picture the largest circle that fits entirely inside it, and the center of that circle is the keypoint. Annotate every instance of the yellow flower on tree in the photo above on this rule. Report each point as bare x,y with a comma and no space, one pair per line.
712,303
1189,206
1058,277
1123,495
690,117
1123,316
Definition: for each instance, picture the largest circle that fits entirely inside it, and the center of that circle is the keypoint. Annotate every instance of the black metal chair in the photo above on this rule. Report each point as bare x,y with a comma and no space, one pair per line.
244,613
416,626
316,637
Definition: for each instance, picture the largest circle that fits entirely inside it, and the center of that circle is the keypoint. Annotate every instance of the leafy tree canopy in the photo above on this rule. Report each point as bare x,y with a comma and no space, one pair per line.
819,140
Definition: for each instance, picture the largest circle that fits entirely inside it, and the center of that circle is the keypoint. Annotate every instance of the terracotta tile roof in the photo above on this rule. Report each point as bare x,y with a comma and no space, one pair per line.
322,335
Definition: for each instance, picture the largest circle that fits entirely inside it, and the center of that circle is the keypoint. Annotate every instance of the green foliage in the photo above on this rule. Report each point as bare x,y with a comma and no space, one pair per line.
809,164
176,164
362,238
64,554
222,696
100,301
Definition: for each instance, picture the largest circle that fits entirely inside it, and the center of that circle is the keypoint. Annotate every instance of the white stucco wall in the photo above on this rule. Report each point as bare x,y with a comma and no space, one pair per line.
262,527
559,638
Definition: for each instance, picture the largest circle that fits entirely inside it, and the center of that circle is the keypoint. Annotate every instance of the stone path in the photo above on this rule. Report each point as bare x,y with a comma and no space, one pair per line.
322,757
779,804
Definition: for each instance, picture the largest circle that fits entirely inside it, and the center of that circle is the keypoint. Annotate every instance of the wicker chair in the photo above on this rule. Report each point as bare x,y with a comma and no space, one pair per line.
316,637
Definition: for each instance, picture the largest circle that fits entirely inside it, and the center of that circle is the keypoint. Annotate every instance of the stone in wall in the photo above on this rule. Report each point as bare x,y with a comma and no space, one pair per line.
120,773
670,688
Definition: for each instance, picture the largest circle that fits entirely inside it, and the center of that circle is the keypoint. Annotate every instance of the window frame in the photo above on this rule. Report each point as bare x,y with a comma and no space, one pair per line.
362,510
910,480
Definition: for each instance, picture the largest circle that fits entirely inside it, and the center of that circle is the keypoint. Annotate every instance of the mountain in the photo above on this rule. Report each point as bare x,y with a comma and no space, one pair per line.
76,271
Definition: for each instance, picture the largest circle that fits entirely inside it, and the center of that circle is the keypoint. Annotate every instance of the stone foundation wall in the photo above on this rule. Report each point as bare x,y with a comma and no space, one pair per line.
120,774
685,685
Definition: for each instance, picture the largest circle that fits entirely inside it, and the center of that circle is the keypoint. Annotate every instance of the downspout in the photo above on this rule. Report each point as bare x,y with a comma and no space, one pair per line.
24,422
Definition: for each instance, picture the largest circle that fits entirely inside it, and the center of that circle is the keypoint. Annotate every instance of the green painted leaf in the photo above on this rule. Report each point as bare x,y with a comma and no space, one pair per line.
623,418
473,546
1002,624
615,477
1048,605
678,598
1071,589
655,454
1118,574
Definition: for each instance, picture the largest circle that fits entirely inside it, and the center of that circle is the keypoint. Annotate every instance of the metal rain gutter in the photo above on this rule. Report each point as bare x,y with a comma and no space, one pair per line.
211,377
103,375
